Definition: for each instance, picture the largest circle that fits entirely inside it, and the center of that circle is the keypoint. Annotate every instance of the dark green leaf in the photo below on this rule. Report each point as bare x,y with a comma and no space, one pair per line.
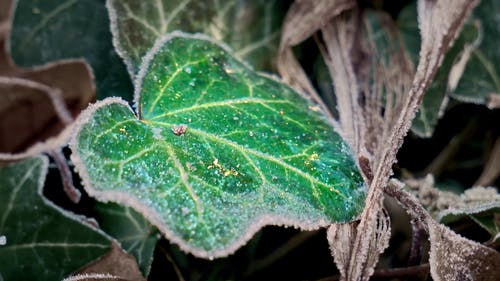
217,152
482,73
43,242
490,221
435,100
51,30
136,235
251,28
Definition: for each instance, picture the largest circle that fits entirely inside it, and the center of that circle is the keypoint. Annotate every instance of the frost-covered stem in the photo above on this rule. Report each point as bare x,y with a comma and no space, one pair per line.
67,178
364,230
384,274
408,202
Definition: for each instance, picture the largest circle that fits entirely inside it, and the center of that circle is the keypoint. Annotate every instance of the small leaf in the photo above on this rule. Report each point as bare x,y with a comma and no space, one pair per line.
116,263
51,30
136,235
43,241
251,28
253,151
453,257
481,204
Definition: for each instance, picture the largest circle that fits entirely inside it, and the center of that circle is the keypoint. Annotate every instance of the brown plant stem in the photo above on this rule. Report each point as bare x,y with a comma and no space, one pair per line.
279,253
438,165
491,170
67,178
172,262
384,274
417,239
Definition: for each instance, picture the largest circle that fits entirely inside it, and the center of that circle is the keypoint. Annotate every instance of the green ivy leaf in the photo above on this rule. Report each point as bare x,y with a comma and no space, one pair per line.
135,234
489,221
251,28
435,100
51,30
481,76
43,242
216,151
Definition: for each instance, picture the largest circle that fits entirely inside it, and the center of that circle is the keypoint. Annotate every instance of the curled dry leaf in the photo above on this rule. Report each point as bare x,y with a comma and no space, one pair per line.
442,204
453,257
34,100
117,264
303,19
494,101
36,104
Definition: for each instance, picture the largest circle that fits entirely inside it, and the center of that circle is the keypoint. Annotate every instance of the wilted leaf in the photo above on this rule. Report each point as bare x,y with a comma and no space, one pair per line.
116,263
216,151
453,257
303,19
479,203
341,237
37,103
251,28
135,234
34,103
43,241
51,30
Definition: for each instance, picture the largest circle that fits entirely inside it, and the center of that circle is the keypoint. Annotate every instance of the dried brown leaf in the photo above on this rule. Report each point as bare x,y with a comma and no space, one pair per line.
37,104
453,257
338,36
493,101
443,205
303,19
341,237
117,264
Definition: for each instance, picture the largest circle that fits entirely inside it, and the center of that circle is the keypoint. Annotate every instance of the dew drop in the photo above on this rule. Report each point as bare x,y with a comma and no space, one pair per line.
187,69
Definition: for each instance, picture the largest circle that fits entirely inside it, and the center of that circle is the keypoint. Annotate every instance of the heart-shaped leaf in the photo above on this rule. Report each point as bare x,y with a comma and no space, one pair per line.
52,30
251,28
43,242
216,151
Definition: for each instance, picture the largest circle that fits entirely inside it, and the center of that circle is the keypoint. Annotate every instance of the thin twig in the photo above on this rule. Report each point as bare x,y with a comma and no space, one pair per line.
395,189
67,178
491,170
279,253
391,272
172,262
437,166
